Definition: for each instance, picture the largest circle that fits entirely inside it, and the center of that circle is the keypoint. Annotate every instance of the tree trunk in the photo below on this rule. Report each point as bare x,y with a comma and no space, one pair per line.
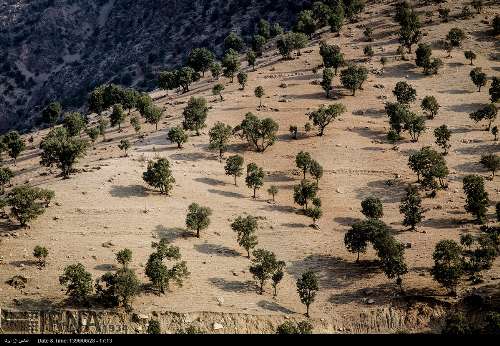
235,184
307,310
254,191
197,233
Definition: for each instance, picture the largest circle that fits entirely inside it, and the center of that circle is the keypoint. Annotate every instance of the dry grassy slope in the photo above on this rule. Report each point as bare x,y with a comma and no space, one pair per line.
109,203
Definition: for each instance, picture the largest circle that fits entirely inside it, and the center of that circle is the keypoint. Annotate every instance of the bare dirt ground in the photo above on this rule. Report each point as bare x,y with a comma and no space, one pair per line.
108,201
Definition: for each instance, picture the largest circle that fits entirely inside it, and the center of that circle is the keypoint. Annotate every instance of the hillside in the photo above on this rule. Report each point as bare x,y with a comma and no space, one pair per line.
106,206
60,50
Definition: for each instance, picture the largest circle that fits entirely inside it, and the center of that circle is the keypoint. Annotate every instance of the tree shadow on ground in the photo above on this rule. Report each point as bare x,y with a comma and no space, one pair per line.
279,208
107,267
229,194
234,286
294,225
379,135
215,249
36,304
128,191
387,192
171,233
380,295
466,107
28,263
273,306
346,221
210,181
191,157
334,272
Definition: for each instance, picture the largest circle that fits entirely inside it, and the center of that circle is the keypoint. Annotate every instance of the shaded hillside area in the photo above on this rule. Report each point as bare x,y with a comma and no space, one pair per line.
54,49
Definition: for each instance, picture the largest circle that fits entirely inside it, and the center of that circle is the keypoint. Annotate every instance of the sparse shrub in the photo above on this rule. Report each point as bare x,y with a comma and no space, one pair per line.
5,176
93,133
245,228
495,90
456,324
234,166
195,114
470,55
219,135
153,115
455,37
251,58
325,115
242,79
353,78
117,116
124,257
304,192
491,162
78,282
368,51
177,135
118,288
52,113
326,82
477,200
154,327
303,161
200,59
307,287
332,56
431,106
260,133
61,149
372,208
289,327
230,64
74,123
198,218
316,171
158,273
217,90
264,265
442,138
404,92
293,131
259,93
273,191
159,175
430,165
411,208
40,253
494,132
14,144
27,203
124,145
488,113
478,77
255,177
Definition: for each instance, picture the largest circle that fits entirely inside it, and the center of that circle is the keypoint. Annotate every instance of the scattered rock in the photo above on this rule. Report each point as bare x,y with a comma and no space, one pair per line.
217,326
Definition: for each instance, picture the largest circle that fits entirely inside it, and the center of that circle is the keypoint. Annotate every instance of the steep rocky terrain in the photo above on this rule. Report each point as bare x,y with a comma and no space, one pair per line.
55,49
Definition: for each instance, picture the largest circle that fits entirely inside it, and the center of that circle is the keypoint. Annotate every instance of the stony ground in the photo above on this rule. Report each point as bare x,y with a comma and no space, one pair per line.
108,201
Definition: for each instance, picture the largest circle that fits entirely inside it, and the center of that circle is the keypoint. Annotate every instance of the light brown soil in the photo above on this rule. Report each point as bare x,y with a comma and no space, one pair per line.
113,204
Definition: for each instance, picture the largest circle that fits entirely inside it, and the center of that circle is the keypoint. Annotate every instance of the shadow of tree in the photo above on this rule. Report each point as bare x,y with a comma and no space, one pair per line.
210,181
380,295
334,272
192,157
128,191
234,286
273,306
229,194
387,193
215,249
171,233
